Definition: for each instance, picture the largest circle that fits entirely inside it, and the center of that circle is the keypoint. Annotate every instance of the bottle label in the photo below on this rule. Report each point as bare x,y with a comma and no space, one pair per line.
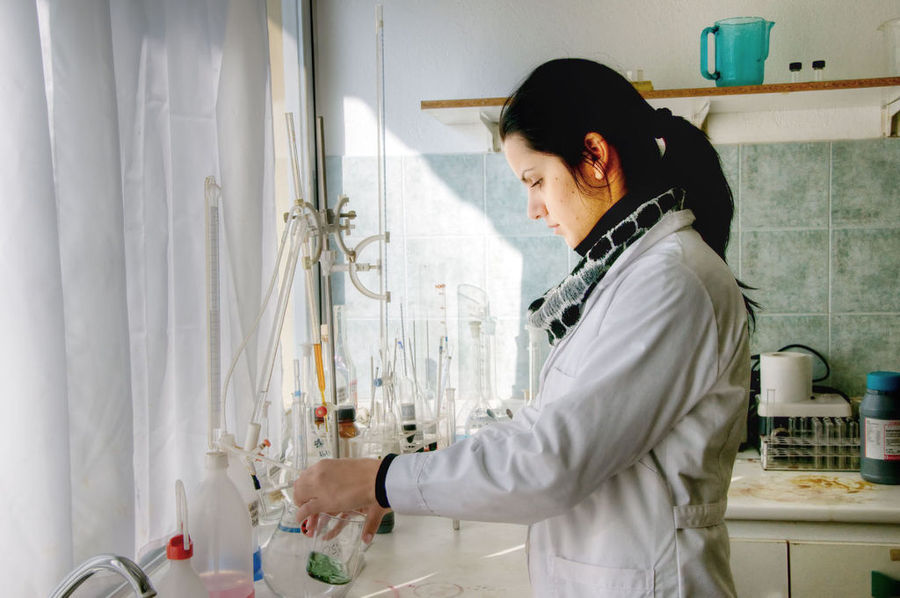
408,412
253,507
882,439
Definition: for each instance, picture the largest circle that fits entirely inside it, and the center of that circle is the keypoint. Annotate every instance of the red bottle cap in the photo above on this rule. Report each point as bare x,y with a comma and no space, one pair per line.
175,548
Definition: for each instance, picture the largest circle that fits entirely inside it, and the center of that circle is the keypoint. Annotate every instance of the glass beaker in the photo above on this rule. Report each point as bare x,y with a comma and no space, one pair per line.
335,557
284,557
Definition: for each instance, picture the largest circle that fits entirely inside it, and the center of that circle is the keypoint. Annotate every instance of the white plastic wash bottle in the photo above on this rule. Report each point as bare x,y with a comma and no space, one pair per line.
180,580
221,533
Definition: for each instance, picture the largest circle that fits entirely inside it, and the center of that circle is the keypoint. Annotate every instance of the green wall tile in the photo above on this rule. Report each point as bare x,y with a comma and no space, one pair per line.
866,270
788,268
729,159
774,332
521,269
784,185
443,194
506,200
865,182
861,344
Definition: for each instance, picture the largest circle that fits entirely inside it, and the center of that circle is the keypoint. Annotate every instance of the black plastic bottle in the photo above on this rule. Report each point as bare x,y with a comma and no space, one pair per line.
879,422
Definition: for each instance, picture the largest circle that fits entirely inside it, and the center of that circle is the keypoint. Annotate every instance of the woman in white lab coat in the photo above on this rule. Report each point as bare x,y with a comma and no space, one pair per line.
622,463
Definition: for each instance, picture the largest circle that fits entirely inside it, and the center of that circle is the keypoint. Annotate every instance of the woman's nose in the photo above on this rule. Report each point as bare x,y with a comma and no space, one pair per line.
536,208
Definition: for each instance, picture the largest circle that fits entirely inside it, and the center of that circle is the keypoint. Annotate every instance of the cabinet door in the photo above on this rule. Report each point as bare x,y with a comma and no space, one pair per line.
838,568
760,568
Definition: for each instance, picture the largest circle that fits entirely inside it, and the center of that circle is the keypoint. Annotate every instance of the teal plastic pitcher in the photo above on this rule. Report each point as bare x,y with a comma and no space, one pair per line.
742,46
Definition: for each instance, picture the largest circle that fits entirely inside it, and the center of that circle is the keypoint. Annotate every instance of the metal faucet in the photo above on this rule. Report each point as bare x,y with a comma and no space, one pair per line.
135,576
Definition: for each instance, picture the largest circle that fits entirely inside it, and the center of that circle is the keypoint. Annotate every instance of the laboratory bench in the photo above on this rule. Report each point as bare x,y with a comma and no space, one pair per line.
793,533
809,533
426,557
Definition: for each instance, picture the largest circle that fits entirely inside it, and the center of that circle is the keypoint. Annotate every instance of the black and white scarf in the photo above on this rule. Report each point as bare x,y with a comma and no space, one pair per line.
559,310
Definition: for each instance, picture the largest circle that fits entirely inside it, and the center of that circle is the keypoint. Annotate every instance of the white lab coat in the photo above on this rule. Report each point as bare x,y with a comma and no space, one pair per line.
622,464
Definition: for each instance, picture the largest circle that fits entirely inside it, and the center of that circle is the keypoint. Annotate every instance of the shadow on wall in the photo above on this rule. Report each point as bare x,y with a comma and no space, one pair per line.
816,230
454,219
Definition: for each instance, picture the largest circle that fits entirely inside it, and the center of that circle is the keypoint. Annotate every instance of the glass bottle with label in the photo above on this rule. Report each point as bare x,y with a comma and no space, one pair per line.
347,430
879,418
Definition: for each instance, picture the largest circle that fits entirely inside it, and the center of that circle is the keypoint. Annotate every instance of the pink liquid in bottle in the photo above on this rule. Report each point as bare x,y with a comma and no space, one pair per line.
228,584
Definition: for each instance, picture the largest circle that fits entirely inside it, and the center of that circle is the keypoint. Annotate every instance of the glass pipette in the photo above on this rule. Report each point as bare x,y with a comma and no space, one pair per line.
312,307
213,325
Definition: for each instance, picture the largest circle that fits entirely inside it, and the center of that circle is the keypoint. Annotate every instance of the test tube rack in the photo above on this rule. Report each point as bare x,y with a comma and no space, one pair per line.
820,434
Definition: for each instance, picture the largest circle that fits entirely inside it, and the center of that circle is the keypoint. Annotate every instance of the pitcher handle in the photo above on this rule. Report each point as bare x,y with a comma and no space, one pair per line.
704,70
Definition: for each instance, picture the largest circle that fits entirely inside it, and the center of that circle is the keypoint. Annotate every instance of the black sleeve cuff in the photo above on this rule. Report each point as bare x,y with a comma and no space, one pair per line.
380,491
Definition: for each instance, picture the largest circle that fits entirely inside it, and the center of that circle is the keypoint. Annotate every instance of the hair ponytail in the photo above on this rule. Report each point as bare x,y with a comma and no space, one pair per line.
692,163
563,100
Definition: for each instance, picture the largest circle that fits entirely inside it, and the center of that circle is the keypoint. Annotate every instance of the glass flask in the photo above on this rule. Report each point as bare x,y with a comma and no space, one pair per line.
344,369
285,556
477,363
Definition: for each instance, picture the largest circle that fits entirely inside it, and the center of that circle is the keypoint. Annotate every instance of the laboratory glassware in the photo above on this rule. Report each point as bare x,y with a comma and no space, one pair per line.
319,434
816,434
221,533
336,555
180,579
212,196
344,368
285,556
537,338
347,429
476,358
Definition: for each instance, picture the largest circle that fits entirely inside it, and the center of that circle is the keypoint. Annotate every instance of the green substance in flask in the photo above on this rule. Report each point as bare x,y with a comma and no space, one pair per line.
326,569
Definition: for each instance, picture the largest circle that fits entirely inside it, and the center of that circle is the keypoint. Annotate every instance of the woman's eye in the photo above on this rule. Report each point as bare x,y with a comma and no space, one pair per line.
536,183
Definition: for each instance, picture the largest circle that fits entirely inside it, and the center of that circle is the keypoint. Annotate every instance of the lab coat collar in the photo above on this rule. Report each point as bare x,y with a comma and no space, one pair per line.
670,223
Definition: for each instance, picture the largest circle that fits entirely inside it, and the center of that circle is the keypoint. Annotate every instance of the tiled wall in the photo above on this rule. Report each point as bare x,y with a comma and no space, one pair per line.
816,231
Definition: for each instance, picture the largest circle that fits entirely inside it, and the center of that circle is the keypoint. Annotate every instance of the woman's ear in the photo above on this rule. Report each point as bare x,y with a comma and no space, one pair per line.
596,153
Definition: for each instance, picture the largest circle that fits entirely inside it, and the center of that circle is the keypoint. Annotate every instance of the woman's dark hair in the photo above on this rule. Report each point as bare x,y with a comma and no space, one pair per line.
563,100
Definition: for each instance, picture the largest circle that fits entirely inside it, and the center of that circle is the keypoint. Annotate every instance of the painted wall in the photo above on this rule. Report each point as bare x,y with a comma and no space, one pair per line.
808,214
483,48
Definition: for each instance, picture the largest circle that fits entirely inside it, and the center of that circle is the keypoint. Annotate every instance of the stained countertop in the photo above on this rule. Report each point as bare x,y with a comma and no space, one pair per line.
808,495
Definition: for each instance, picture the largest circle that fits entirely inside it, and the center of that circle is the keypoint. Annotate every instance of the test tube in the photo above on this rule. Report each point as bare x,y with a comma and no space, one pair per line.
830,439
841,449
853,433
818,441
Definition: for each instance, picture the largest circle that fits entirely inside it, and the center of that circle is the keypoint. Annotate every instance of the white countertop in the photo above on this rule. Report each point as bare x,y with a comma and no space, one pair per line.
808,495
424,557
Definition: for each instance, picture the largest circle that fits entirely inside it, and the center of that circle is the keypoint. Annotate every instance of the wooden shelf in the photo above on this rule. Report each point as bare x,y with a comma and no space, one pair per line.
697,103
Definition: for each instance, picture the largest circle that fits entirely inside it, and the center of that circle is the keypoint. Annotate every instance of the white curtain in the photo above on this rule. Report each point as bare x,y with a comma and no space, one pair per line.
113,112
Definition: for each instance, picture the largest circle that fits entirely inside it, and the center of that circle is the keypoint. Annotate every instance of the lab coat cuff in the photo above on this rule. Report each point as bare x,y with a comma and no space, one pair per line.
380,493
402,484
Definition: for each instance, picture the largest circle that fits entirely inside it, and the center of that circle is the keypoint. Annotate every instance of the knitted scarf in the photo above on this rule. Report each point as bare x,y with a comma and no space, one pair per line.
559,310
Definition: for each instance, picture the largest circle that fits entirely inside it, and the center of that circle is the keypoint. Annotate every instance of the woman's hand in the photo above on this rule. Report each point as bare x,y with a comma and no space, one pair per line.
337,485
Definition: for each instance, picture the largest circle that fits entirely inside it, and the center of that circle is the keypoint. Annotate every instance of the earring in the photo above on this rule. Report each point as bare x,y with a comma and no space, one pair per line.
598,174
